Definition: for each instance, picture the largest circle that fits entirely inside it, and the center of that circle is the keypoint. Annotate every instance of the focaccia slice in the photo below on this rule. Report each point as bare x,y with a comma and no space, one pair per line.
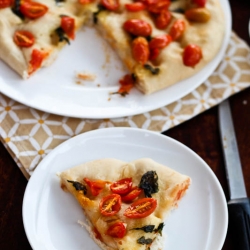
140,232
168,67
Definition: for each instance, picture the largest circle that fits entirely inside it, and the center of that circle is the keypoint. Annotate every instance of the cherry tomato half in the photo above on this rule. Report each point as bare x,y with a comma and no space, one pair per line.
85,1
117,230
33,9
23,38
110,205
110,4
137,27
96,186
160,41
37,58
140,50
134,7
177,29
200,3
5,3
122,186
192,55
134,193
68,26
158,6
127,83
141,208
154,54
163,19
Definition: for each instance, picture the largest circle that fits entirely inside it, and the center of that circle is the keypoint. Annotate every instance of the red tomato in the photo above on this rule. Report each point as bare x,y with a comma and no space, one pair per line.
33,9
134,7
154,54
177,29
192,55
110,4
122,186
85,1
163,19
137,27
110,205
97,234
117,230
140,50
96,186
23,38
5,3
127,83
158,6
160,41
200,3
134,193
37,58
68,26
141,208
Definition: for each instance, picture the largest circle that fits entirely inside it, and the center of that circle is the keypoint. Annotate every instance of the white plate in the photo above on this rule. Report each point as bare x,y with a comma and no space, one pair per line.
54,89
50,215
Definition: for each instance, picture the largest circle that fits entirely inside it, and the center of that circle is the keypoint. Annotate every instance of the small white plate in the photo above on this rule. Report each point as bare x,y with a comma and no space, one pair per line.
50,215
54,89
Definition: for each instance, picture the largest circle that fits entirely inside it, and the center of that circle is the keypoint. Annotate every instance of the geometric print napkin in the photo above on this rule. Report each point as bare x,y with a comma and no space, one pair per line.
29,134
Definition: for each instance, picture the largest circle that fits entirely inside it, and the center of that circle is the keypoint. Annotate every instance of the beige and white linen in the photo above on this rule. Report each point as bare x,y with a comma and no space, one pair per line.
30,134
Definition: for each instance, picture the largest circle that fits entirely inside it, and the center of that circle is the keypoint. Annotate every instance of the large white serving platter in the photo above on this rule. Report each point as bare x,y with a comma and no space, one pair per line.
50,215
54,89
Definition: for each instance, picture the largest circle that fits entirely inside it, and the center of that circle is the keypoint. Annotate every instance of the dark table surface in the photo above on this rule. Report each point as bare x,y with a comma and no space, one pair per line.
200,134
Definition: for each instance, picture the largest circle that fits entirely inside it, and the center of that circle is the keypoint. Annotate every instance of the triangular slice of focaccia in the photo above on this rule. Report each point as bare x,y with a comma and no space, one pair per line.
126,203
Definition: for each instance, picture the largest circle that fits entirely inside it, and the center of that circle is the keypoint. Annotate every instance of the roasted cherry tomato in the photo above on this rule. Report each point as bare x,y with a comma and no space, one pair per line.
192,55
127,83
177,29
110,4
117,230
141,208
85,1
96,186
5,3
160,41
37,58
137,27
68,26
163,19
134,193
134,7
140,50
154,53
122,186
200,3
97,234
110,205
33,9
23,38
158,6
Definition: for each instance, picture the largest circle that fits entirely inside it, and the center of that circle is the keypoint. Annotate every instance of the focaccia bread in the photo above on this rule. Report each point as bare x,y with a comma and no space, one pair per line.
160,42
126,203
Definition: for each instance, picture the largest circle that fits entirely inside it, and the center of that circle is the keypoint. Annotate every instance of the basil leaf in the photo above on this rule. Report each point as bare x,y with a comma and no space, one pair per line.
149,183
78,186
16,9
61,34
144,241
154,71
159,228
95,14
146,229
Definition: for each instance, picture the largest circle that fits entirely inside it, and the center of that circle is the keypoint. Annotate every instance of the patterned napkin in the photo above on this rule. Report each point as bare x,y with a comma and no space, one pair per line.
29,134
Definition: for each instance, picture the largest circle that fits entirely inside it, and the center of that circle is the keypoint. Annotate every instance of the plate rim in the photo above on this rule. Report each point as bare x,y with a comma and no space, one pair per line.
77,138
123,112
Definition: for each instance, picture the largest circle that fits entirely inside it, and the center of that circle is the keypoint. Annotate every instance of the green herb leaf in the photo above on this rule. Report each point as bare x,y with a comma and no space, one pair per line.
144,241
78,186
179,10
61,34
154,71
146,229
16,9
149,183
159,228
